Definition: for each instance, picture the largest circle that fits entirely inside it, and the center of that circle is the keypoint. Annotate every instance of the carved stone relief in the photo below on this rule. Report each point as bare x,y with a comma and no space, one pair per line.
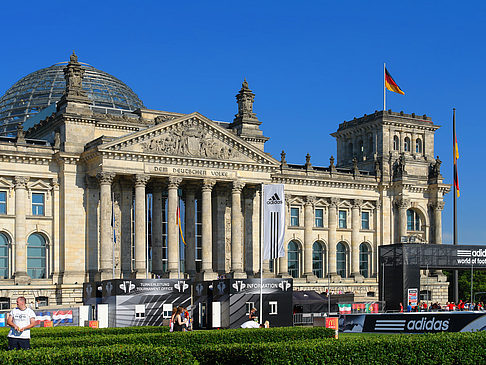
190,140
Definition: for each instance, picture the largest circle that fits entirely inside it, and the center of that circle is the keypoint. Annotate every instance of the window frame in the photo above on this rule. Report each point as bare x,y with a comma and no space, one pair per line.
320,260
7,257
342,221
396,143
414,222
38,209
294,218
3,202
298,252
273,308
319,221
42,257
363,220
345,260
406,144
418,145
365,272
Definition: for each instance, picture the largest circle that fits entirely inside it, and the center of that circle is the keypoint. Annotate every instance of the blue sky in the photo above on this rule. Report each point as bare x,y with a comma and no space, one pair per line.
311,64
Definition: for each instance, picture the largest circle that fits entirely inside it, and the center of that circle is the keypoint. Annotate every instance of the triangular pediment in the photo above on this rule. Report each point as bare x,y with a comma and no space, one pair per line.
5,184
38,185
190,136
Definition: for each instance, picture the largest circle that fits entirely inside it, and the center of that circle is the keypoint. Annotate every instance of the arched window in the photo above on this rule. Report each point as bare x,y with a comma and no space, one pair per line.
341,259
318,259
4,243
418,145
360,148
396,143
36,256
293,255
406,145
370,146
413,220
364,259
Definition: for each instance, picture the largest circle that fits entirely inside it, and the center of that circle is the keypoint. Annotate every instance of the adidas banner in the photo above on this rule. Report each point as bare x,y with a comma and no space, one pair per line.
273,221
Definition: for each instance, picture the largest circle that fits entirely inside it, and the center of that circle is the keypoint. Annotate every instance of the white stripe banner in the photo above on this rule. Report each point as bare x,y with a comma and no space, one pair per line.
273,221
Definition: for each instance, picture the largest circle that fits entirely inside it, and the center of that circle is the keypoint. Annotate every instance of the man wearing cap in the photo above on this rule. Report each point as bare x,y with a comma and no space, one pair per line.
21,320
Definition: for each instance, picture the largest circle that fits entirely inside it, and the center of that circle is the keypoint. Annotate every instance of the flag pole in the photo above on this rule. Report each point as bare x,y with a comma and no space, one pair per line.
113,238
454,160
261,255
384,86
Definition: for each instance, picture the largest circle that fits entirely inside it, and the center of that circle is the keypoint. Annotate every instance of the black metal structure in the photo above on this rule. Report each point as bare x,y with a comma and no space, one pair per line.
400,265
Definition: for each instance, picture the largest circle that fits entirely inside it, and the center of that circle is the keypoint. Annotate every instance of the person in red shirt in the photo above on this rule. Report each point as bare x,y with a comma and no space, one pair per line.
401,307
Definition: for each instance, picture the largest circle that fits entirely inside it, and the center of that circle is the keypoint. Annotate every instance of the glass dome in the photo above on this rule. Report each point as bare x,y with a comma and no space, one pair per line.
38,90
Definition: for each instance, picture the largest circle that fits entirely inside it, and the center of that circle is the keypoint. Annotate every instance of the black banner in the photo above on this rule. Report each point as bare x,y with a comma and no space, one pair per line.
421,322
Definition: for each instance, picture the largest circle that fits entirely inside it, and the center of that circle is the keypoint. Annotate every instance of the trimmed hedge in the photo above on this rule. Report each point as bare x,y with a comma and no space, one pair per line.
132,355
63,331
187,340
444,348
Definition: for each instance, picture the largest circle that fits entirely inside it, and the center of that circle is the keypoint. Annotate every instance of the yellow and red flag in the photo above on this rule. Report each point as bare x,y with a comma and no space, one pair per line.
456,157
391,85
179,224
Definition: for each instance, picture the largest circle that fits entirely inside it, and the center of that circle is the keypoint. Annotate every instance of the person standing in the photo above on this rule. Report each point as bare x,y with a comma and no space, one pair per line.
21,320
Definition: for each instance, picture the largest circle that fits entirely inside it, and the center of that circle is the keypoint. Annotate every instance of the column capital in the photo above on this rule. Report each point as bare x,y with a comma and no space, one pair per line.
21,182
55,183
439,205
310,200
333,202
141,179
357,203
237,186
402,203
105,178
174,182
208,184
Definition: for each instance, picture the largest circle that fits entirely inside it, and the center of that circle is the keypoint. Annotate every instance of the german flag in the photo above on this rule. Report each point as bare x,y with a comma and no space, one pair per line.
390,84
178,217
456,157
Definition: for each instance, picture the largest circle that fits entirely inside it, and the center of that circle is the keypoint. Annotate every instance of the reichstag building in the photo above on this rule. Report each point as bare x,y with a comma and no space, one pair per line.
93,185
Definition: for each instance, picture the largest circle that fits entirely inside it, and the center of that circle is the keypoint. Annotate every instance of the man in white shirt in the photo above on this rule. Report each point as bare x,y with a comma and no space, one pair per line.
21,320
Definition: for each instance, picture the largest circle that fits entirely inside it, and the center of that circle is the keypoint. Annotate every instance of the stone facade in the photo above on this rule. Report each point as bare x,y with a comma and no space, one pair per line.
85,192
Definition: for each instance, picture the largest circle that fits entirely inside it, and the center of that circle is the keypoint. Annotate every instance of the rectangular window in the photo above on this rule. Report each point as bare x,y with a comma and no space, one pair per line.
249,306
273,308
342,219
365,220
37,204
294,217
319,214
3,202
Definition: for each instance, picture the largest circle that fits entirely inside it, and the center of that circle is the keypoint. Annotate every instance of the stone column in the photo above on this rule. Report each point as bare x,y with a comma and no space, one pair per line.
55,253
157,228
106,233
377,236
207,234
172,228
332,223
438,206
402,206
236,231
355,227
21,276
126,252
190,227
140,227
308,242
